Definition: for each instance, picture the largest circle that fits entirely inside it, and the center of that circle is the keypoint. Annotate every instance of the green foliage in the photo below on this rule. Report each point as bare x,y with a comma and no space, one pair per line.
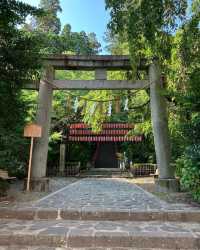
49,22
13,147
52,5
51,43
79,42
188,167
95,113
142,18
48,27
139,152
81,152
147,26
15,12
18,49
19,60
56,136
184,80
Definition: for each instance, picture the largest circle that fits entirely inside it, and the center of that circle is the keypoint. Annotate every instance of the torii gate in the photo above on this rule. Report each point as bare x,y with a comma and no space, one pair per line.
100,64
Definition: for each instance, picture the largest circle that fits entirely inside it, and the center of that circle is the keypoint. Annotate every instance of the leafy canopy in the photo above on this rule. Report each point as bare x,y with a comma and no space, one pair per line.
147,25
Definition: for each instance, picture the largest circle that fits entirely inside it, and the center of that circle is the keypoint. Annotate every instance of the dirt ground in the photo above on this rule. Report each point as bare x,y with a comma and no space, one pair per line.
16,194
147,183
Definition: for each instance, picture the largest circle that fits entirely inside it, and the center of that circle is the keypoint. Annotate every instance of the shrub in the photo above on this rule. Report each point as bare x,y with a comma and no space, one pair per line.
188,169
14,167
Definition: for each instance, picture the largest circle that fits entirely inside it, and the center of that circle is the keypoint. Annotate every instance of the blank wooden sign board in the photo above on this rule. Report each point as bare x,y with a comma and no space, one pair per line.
34,131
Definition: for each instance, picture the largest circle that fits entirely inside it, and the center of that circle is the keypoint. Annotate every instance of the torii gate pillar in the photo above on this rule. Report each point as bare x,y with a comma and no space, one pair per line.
166,181
39,182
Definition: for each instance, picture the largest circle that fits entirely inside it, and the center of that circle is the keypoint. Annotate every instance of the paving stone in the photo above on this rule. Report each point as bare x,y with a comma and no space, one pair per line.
80,234
96,194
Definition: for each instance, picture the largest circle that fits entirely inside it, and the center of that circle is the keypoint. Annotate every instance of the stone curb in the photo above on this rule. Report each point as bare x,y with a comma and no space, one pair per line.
59,214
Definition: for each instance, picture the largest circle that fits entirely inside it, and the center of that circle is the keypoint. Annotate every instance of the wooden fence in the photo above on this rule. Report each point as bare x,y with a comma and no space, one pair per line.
143,169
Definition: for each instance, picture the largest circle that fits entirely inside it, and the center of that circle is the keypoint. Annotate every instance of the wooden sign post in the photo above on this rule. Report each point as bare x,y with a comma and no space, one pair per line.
33,131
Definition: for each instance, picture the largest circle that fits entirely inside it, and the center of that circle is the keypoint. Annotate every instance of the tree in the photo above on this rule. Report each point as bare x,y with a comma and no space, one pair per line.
19,60
50,22
48,27
79,42
93,43
162,29
146,25
187,99
16,56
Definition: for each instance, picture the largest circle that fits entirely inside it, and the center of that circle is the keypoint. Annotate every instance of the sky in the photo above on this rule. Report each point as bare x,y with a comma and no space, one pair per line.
87,15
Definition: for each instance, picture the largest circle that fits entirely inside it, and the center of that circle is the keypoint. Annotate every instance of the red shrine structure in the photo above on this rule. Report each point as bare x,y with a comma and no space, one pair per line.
107,141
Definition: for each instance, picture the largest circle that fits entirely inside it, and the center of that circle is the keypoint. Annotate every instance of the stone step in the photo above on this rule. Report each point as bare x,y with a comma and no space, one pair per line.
84,175
103,215
105,173
15,247
105,170
100,234
69,248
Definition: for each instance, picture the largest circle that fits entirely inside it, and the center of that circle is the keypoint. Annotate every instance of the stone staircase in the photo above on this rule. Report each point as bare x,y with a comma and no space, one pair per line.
106,173
70,229
100,214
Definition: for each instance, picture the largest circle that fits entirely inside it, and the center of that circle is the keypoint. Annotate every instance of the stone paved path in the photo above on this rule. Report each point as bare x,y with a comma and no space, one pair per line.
106,194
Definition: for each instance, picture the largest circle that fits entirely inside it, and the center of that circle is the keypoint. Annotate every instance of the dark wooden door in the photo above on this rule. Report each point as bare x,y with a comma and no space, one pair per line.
106,157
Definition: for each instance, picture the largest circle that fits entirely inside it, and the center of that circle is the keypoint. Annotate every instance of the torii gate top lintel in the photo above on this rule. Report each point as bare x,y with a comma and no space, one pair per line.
100,64
92,62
